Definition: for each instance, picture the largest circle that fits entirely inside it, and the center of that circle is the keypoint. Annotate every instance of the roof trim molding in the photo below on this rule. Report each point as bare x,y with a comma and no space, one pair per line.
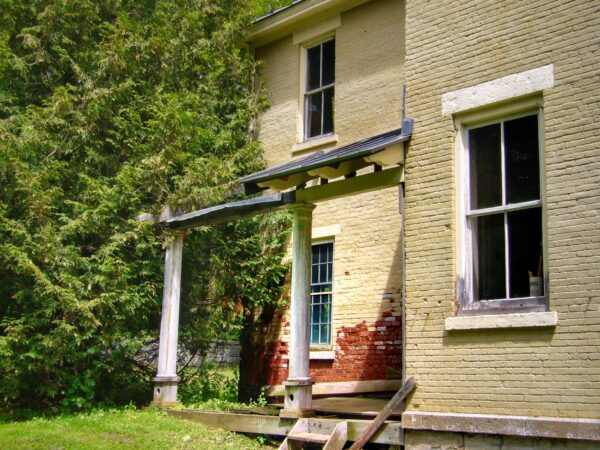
385,149
294,17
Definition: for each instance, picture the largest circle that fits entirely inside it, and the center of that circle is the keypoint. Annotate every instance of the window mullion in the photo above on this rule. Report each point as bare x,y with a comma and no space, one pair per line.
506,242
322,111
321,65
321,86
506,255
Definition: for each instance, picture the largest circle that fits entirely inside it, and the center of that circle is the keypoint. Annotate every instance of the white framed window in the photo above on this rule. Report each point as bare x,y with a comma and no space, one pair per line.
319,89
321,294
501,213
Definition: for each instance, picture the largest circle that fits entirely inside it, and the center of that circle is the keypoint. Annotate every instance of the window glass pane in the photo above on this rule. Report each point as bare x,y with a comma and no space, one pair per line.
490,269
325,334
328,62
525,251
485,166
322,253
324,313
323,273
313,69
313,114
328,105
522,159
314,334
322,268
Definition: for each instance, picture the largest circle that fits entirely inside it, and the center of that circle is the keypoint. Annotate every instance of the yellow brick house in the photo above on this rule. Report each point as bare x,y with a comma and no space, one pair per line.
442,160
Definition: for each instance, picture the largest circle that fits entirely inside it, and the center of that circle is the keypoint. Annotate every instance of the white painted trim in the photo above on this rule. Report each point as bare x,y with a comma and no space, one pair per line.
317,355
325,232
465,247
501,89
322,355
519,320
316,32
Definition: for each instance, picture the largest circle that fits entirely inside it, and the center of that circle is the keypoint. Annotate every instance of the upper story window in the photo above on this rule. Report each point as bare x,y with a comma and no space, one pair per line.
319,91
504,238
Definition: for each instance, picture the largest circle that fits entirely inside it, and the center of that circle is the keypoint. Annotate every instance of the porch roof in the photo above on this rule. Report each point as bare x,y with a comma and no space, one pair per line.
231,211
383,150
332,164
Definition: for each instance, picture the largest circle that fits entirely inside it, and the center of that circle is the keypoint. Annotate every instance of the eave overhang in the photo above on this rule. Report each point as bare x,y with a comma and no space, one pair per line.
294,17
382,150
231,211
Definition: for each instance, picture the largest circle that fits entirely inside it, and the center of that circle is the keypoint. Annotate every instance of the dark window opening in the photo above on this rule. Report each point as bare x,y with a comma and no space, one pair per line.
319,99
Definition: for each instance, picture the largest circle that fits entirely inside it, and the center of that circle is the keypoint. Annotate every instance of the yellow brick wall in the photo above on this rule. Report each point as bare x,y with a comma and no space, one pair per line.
368,89
543,372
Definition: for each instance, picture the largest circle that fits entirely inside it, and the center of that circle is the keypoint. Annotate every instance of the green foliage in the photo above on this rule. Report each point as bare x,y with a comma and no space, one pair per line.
210,382
267,6
119,429
108,110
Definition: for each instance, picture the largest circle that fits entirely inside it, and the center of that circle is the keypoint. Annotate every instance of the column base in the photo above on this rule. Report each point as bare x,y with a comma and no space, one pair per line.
165,391
298,398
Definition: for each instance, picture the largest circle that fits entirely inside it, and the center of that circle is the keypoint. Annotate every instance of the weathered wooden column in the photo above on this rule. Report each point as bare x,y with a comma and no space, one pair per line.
165,382
298,386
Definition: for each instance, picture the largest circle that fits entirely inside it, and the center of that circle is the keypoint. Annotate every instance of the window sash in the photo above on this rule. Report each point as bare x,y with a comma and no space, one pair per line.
317,130
472,305
321,300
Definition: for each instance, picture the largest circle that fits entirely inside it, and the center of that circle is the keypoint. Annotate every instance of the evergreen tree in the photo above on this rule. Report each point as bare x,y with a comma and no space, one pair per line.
109,109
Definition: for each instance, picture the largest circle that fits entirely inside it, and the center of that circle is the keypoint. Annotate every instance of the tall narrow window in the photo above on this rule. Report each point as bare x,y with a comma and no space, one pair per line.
321,289
319,90
505,209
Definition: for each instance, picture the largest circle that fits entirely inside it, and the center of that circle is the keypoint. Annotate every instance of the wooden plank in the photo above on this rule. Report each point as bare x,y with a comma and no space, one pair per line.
242,423
342,388
389,433
356,406
543,427
366,435
350,186
308,437
301,426
338,438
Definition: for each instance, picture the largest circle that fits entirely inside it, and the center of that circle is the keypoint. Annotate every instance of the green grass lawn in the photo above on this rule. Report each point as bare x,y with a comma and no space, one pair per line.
116,429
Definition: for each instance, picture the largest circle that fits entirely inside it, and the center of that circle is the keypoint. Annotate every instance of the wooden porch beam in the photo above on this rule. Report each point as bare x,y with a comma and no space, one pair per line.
351,186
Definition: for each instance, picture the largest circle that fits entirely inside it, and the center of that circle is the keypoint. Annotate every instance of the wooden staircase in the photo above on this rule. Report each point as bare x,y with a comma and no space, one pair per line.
315,431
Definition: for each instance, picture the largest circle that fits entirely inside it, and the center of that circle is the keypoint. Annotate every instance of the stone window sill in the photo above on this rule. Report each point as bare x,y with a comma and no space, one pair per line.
322,355
314,143
317,355
518,320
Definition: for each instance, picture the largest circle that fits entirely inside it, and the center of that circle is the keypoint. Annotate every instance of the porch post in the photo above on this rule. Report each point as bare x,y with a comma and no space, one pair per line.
298,387
165,382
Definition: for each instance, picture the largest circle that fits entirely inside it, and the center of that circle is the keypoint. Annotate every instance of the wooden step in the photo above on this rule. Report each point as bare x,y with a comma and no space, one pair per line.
304,431
309,437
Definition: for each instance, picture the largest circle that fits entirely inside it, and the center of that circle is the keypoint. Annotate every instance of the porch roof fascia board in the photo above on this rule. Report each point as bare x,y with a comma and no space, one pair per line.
291,18
357,150
230,211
